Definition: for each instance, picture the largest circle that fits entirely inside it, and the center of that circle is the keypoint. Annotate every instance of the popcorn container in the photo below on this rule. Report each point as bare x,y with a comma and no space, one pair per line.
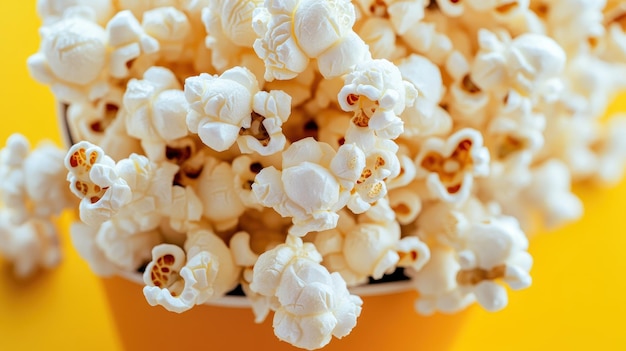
228,322
307,164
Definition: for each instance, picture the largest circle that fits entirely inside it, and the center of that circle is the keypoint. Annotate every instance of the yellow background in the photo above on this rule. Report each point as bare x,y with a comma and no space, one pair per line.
576,301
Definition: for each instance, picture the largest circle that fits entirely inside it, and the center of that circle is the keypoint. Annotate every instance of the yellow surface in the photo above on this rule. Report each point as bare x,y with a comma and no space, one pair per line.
576,301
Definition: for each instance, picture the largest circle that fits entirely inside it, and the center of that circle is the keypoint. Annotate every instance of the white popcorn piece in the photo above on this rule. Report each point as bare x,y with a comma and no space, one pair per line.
427,40
370,248
230,32
425,117
530,64
45,181
186,209
12,173
128,40
443,224
217,191
219,107
298,88
132,192
179,281
550,193
613,45
381,164
494,249
30,245
401,13
264,136
128,248
90,120
171,28
406,204
313,304
449,166
576,24
155,111
467,103
377,94
52,11
286,43
245,169
314,183
437,285
72,59
380,37
244,257
102,194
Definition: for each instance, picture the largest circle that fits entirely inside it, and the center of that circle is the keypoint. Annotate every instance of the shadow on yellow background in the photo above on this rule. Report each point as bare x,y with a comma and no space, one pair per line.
576,301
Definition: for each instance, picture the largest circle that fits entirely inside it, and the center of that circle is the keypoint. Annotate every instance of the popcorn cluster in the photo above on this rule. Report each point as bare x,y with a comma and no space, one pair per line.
33,192
300,148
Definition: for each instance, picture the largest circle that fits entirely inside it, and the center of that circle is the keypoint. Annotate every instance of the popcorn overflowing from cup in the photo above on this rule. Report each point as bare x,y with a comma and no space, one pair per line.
300,149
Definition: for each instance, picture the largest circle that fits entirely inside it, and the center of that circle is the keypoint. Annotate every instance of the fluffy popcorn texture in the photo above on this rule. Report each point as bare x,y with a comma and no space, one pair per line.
494,249
52,10
368,249
437,285
178,279
156,110
230,32
529,63
314,183
131,192
220,106
30,200
170,27
376,93
287,41
72,59
403,136
313,304
450,166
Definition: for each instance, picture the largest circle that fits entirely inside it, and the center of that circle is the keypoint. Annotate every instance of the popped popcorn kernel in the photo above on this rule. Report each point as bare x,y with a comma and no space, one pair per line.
309,296
178,280
219,107
376,93
450,166
286,44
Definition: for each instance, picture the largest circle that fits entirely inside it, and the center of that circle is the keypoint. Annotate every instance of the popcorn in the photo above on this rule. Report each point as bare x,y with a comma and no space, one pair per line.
72,59
529,64
220,201
376,93
170,27
449,166
129,41
314,304
178,279
286,44
393,136
29,245
370,248
328,177
230,32
105,188
53,10
437,285
219,107
156,111
31,196
231,108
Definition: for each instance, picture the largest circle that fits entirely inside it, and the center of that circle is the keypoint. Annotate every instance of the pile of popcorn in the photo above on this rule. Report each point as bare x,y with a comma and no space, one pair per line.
299,148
